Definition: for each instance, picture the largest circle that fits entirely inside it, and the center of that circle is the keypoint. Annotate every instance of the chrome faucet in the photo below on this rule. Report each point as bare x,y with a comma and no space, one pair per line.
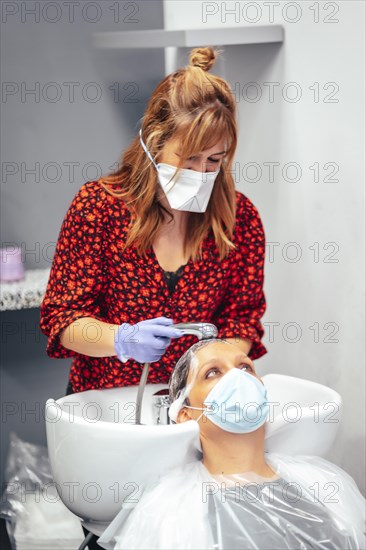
203,331
161,404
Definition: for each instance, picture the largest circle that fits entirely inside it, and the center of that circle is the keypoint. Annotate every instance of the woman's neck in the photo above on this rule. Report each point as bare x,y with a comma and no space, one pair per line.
179,223
236,453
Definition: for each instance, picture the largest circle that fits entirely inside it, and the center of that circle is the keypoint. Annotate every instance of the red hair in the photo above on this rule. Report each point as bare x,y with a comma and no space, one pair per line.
199,109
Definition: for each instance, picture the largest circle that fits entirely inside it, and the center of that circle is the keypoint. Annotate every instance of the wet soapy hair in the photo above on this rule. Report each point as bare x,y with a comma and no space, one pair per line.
188,362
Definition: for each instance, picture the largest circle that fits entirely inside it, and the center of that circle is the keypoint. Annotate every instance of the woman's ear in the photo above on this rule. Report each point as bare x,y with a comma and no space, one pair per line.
183,415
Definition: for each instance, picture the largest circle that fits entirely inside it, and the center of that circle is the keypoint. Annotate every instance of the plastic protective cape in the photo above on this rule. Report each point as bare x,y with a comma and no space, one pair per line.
312,503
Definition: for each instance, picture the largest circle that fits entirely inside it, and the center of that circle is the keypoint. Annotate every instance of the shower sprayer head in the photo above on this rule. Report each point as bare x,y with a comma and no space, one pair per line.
203,331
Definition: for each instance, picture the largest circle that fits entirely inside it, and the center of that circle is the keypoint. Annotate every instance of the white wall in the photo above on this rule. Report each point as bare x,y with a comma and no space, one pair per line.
311,290
87,128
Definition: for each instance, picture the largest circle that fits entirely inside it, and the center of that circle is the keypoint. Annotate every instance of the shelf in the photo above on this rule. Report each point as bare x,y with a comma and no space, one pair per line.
24,294
161,38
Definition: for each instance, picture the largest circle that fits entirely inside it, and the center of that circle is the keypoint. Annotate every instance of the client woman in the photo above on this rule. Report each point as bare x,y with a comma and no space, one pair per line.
238,497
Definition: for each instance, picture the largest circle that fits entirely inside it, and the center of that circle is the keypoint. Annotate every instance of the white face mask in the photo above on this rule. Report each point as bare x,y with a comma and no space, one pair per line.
191,190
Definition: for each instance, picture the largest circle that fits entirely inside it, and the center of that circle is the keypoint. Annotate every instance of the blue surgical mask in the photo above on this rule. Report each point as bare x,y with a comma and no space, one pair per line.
191,191
237,403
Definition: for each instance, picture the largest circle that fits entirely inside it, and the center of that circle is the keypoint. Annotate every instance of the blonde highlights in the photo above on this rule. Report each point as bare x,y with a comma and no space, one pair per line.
197,108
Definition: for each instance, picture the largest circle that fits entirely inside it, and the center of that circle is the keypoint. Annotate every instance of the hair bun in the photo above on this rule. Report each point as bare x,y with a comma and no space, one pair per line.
203,57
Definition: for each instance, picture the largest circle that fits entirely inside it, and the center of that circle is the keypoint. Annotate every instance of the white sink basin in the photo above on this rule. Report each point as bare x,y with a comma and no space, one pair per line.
100,459
307,418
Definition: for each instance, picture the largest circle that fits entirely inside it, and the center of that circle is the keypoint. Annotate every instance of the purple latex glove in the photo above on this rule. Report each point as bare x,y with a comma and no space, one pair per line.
145,341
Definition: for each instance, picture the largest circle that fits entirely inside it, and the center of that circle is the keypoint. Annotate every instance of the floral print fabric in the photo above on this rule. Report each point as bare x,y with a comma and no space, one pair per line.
92,277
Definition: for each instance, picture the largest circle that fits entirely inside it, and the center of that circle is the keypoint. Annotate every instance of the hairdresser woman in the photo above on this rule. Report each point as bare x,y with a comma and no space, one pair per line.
136,254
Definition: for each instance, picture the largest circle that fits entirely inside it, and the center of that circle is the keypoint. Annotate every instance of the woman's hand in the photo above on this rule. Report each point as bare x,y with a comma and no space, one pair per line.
145,341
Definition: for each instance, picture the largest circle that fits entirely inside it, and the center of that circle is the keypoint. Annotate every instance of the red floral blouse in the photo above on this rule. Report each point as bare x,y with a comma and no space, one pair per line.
91,277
